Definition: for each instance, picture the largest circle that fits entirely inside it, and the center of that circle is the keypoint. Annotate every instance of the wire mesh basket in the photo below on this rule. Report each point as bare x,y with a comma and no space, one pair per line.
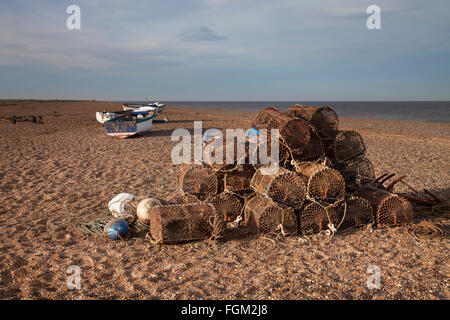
301,112
198,180
347,145
263,215
314,149
354,212
228,205
186,222
284,186
295,133
239,179
323,184
389,209
315,218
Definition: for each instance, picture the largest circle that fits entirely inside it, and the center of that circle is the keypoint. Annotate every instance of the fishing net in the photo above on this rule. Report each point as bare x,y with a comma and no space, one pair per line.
315,218
239,179
354,212
186,222
346,146
228,205
180,198
267,217
295,133
357,171
322,183
284,186
199,181
390,209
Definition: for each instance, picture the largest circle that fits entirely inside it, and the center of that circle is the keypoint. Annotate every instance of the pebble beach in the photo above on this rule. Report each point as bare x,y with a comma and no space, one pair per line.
65,171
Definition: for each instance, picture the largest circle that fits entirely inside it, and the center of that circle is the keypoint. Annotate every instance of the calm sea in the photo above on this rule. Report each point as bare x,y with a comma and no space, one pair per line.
433,111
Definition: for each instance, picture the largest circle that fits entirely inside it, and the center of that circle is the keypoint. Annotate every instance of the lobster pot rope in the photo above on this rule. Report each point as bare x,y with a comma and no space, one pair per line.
284,186
357,171
180,198
315,218
228,205
262,215
324,119
186,222
295,133
389,209
323,184
239,179
347,145
354,212
199,181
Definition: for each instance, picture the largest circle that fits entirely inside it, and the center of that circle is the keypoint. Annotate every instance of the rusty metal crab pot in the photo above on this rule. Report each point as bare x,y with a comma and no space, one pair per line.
347,145
263,215
322,183
284,186
185,222
198,180
354,212
389,209
295,133
228,204
314,218
239,179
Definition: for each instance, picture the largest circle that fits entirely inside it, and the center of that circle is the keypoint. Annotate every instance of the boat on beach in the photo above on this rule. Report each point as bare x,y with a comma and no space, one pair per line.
154,106
129,123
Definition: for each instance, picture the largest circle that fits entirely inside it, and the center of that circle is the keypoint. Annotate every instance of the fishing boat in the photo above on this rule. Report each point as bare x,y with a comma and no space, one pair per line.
154,106
129,123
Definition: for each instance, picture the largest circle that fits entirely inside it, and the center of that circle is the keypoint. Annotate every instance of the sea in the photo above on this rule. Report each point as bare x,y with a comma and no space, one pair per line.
424,111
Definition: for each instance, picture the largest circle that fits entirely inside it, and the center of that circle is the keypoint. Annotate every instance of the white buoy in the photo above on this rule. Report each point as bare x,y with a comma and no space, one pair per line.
120,205
144,209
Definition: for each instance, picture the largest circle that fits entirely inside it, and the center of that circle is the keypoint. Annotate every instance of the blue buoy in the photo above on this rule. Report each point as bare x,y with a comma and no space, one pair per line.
116,228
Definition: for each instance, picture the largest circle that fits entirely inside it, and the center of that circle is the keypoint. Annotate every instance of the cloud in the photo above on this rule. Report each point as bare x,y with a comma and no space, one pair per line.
201,34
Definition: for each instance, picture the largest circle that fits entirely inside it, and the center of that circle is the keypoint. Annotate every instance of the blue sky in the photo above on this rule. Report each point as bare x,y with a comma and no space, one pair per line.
225,50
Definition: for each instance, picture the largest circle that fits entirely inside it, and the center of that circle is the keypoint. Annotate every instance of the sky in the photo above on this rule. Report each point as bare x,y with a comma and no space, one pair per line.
229,50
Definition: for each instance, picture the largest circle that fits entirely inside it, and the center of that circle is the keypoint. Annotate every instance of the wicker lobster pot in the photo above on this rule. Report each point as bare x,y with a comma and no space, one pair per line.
314,149
324,119
315,218
262,215
228,205
233,148
322,183
347,145
284,186
199,181
185,222
295,133
239,179
180,198
389,209
354,212
357,171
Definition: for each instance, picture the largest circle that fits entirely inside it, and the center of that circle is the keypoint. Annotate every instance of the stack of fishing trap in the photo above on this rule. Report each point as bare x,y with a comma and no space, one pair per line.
323,182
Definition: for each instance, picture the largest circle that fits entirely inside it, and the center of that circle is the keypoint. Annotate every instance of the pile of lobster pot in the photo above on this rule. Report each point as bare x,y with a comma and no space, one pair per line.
323,182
